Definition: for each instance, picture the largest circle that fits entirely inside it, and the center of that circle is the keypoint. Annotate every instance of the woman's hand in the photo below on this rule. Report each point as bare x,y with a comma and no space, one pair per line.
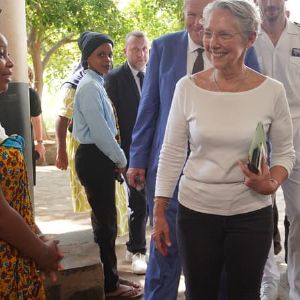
161,231
49,261
263,183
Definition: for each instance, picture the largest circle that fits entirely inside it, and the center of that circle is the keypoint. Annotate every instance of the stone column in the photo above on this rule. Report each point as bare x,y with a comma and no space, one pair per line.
14,104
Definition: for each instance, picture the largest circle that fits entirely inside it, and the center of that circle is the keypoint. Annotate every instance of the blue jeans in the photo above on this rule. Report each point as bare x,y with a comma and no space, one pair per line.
239,243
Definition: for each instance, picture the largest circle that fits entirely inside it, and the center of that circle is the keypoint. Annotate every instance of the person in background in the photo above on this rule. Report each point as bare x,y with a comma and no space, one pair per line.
225,215
66,149
99,159
278,50
171,57
38,148
66,143
23,250
123,86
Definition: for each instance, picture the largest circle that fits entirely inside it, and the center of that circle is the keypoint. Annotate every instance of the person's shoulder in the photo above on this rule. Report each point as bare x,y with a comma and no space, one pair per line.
170,37
88,81
293,27
115,72
298,24
33,92
273,84
184,81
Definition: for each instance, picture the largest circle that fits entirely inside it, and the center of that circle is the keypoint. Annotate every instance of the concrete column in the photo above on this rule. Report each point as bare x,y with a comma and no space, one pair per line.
14,104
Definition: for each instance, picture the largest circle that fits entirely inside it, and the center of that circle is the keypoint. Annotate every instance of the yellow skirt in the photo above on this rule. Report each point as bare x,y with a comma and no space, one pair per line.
79,200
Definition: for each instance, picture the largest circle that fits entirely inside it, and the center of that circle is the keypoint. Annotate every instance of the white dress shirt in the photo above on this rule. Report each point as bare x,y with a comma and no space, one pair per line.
282,62
192,55
135,76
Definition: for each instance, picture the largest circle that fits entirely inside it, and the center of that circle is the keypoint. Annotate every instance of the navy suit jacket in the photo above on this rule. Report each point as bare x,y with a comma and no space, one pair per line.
122,89
167,64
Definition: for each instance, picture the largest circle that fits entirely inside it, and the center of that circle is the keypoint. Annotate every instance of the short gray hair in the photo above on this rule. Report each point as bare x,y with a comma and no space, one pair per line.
246,12
137,34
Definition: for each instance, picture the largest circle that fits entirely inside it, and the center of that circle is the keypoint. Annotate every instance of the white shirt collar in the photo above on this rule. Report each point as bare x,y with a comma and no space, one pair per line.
287,28
134,71
192,46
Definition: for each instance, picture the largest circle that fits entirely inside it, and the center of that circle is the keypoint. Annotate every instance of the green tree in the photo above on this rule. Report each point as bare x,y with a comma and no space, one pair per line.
53,24
53,27
156,17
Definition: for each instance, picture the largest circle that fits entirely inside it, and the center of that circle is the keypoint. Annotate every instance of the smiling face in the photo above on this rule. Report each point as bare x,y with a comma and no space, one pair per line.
272,10
101,59
5,65
193,10
223,41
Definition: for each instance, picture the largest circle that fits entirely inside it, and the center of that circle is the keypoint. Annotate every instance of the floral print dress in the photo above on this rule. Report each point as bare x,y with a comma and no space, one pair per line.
19,278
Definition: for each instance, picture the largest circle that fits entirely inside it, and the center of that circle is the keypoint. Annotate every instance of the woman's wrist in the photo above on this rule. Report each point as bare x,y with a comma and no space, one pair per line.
161,201
160,205
275,184
43,255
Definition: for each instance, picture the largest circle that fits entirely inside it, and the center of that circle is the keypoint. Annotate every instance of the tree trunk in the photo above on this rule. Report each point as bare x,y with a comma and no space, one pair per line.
35,49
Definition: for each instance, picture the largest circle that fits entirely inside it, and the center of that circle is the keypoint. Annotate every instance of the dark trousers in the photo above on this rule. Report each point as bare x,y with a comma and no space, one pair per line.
137,220
96,173
240,243
276,233
286,237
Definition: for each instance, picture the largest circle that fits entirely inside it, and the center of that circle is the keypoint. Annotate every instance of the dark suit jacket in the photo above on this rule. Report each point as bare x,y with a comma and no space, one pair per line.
123,92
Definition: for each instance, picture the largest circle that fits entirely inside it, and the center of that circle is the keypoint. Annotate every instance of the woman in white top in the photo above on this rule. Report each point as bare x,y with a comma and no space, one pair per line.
225,213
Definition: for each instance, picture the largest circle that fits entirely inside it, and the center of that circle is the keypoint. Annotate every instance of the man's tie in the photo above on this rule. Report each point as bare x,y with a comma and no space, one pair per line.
199,63
141,75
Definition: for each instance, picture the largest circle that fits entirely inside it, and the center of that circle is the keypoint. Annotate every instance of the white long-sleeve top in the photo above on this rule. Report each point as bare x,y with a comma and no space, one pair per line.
219,127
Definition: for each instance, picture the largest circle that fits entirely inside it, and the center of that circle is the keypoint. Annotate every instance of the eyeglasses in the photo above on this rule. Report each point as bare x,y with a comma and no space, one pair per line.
220,35
195,18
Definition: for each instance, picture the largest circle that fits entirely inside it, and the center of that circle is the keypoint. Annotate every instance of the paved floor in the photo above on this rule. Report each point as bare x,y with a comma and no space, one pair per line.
54,215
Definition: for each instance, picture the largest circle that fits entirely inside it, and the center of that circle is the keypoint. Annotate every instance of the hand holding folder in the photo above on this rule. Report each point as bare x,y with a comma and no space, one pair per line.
258,149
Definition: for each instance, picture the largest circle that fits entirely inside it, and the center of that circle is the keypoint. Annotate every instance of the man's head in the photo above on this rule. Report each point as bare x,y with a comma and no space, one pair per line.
272,10
193,10
137,50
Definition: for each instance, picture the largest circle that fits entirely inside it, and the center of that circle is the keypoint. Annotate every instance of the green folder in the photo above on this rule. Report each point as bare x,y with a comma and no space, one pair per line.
258,149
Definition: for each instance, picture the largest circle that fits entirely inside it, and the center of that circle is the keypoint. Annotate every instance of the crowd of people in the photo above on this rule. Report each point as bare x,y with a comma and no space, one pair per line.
176,125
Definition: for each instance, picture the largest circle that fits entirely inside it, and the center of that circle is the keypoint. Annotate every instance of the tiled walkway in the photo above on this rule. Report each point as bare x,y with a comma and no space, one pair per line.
54,215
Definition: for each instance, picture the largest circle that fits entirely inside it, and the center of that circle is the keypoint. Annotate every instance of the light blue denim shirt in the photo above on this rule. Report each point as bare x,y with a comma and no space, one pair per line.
93,118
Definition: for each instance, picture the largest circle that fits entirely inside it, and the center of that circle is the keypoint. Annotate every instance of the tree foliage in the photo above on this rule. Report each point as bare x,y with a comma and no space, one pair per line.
53,27
52,24
156,17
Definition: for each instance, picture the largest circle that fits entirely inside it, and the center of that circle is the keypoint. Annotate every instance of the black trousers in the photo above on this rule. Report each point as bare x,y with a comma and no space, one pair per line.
240,243
96,173
137,220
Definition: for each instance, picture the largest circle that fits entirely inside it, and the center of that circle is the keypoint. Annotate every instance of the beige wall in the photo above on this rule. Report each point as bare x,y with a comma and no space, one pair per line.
13,26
